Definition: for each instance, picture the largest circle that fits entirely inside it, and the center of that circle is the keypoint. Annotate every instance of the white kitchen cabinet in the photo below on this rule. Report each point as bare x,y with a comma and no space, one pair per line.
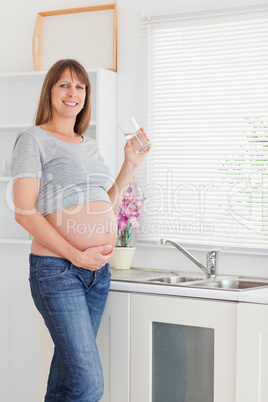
168,348
114,347
182,349
18,329
252,353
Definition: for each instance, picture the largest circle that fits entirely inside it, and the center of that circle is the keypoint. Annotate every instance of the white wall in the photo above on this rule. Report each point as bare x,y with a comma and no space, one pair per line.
17,20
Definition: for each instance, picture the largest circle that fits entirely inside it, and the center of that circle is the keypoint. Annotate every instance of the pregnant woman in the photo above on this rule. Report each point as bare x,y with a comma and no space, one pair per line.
65,198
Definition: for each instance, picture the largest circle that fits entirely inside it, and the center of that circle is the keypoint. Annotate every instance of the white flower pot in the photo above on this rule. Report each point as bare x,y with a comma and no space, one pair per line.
122,257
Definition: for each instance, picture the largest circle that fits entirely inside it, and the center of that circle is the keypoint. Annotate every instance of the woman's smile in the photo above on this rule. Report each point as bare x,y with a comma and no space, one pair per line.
70,103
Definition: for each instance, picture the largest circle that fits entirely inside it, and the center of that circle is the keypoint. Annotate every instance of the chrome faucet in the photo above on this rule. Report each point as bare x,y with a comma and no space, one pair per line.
212,258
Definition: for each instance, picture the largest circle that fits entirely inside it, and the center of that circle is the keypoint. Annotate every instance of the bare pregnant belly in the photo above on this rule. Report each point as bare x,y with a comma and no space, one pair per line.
83,226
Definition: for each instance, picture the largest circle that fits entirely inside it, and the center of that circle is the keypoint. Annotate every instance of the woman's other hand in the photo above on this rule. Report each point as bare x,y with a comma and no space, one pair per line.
94,258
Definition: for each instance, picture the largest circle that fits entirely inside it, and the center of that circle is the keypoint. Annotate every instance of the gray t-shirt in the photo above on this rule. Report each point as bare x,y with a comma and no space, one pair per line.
70,174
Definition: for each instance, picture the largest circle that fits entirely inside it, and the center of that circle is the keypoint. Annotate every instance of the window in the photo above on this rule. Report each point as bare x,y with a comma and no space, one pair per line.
207,97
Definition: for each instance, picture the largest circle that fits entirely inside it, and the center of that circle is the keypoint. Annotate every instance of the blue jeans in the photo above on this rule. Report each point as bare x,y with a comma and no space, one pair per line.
71,301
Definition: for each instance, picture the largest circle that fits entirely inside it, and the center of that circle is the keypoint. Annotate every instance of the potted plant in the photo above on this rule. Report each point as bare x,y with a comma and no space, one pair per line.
127,217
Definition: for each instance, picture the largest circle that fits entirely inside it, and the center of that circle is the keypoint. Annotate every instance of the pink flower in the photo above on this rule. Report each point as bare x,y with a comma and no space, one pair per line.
140,204
118,215
134,200
134,220
122,224
127,211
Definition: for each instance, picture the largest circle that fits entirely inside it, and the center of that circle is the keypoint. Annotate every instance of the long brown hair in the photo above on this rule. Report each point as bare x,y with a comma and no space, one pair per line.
44,111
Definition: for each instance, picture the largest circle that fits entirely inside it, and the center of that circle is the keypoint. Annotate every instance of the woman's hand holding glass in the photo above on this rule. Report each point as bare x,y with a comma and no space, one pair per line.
132,156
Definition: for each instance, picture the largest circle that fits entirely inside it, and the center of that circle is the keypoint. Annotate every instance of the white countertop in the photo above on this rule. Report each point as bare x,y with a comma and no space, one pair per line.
259,296
132,281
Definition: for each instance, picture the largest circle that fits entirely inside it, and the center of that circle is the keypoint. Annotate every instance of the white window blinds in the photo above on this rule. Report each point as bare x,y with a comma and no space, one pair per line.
207,107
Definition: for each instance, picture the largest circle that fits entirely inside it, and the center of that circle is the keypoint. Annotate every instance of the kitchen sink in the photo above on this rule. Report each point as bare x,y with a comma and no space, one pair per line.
187,279
173,280
231,284
219,283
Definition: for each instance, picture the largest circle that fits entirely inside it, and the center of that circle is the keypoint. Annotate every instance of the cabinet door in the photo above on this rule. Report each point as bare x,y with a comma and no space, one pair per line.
18,329
113,344
182,350
252,353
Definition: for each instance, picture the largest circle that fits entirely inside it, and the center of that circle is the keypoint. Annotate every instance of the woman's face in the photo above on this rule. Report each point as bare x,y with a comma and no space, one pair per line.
67,96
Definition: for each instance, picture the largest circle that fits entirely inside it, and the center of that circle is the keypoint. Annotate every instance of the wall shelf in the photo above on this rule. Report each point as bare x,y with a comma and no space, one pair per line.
13,126
15,241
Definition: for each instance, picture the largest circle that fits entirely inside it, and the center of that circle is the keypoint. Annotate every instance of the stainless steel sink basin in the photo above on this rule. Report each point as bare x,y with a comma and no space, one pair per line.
172,279
187,279
231,284
220,283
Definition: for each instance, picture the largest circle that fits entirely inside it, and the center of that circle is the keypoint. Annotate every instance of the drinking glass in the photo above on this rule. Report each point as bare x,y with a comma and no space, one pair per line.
132,132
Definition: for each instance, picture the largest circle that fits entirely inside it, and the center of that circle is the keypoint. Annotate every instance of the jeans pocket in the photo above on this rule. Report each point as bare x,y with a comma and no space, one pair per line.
51,273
